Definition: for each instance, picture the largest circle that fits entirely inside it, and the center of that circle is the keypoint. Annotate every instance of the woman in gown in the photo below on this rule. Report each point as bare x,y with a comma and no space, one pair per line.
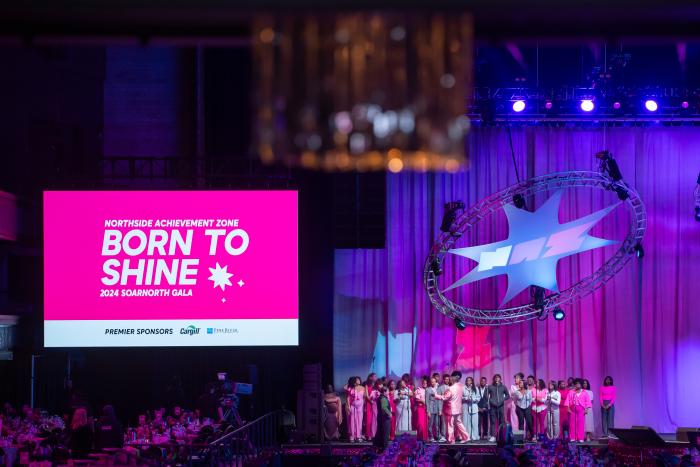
356,406
332,415
403,407
564,411
590,421
421,413
371,396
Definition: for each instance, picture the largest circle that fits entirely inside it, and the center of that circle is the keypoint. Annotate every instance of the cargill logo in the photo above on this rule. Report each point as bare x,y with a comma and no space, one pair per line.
189,330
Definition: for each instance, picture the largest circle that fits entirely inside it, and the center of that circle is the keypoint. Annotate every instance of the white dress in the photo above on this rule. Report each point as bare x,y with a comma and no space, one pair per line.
403,410
590,421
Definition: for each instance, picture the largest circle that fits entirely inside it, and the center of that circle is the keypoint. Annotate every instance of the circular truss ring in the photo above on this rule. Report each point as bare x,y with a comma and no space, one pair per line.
472,216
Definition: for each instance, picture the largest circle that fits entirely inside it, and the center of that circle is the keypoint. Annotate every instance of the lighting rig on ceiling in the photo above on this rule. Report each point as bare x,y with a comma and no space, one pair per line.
581,104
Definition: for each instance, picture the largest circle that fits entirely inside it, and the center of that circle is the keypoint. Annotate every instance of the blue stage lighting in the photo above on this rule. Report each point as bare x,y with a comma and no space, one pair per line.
587,105
518,105
558,314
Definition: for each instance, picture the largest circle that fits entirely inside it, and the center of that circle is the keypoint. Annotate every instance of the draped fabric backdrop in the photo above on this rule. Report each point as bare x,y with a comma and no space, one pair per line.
642,327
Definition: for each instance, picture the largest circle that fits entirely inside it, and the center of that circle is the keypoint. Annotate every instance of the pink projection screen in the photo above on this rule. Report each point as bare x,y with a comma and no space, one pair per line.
170,268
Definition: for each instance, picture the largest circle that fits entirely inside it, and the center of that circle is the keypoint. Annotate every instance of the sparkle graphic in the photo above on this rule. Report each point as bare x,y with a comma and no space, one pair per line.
223,300
220,276
536,241
240,283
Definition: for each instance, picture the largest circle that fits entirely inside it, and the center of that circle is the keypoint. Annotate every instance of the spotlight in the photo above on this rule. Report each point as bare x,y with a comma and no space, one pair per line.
685,105
587,105
651,105
548,105
519,201
461,325
436,267
558,314
617,105
518,105
639,251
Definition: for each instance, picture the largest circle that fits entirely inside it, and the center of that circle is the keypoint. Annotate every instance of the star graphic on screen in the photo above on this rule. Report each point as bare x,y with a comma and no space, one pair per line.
536,242
220,276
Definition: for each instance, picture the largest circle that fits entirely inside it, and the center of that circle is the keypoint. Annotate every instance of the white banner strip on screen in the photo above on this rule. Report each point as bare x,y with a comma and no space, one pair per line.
170,333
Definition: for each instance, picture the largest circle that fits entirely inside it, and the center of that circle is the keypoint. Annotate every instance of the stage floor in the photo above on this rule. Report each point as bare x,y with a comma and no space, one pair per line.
340,445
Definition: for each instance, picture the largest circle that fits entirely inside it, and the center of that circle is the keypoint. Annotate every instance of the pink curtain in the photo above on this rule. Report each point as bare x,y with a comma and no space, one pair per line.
642,327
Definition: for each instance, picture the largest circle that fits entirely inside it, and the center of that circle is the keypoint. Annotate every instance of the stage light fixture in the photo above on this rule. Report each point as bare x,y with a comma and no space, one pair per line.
461,325
651,105
639,251
621,193
548,105
685,105
558,314
519,201
616,105
609,166
518,105
436,267
537,295
587,105
450,215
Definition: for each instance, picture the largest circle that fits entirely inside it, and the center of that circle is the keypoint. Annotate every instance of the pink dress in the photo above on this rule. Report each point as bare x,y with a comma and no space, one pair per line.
578,403
540,411
392,405
356,404
421,415
564,414
371,412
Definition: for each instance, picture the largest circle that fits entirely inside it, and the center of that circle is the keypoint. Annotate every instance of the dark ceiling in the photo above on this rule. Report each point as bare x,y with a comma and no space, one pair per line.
227,19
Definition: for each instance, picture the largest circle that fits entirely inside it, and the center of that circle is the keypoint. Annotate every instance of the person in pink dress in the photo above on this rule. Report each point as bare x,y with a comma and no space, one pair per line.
391,394
356,404
608,394
452,409
540,408
421,413
579,403
371,396
564,412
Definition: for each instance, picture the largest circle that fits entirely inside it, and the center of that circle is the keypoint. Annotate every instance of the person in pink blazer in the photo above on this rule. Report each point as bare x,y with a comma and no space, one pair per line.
579,403
452,409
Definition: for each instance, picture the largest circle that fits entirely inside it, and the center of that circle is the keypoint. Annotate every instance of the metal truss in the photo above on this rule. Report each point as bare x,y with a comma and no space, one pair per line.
487,206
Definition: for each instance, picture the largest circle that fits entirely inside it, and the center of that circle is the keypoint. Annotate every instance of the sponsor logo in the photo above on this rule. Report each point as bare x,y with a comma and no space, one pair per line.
190,330
222,330
137,331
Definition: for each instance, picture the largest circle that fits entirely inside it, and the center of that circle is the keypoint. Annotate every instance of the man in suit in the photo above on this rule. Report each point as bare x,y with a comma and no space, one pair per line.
434,409
452,409
482,390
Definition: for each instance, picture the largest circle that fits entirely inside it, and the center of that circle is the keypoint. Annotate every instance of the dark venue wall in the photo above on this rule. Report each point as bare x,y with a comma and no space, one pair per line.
73,115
